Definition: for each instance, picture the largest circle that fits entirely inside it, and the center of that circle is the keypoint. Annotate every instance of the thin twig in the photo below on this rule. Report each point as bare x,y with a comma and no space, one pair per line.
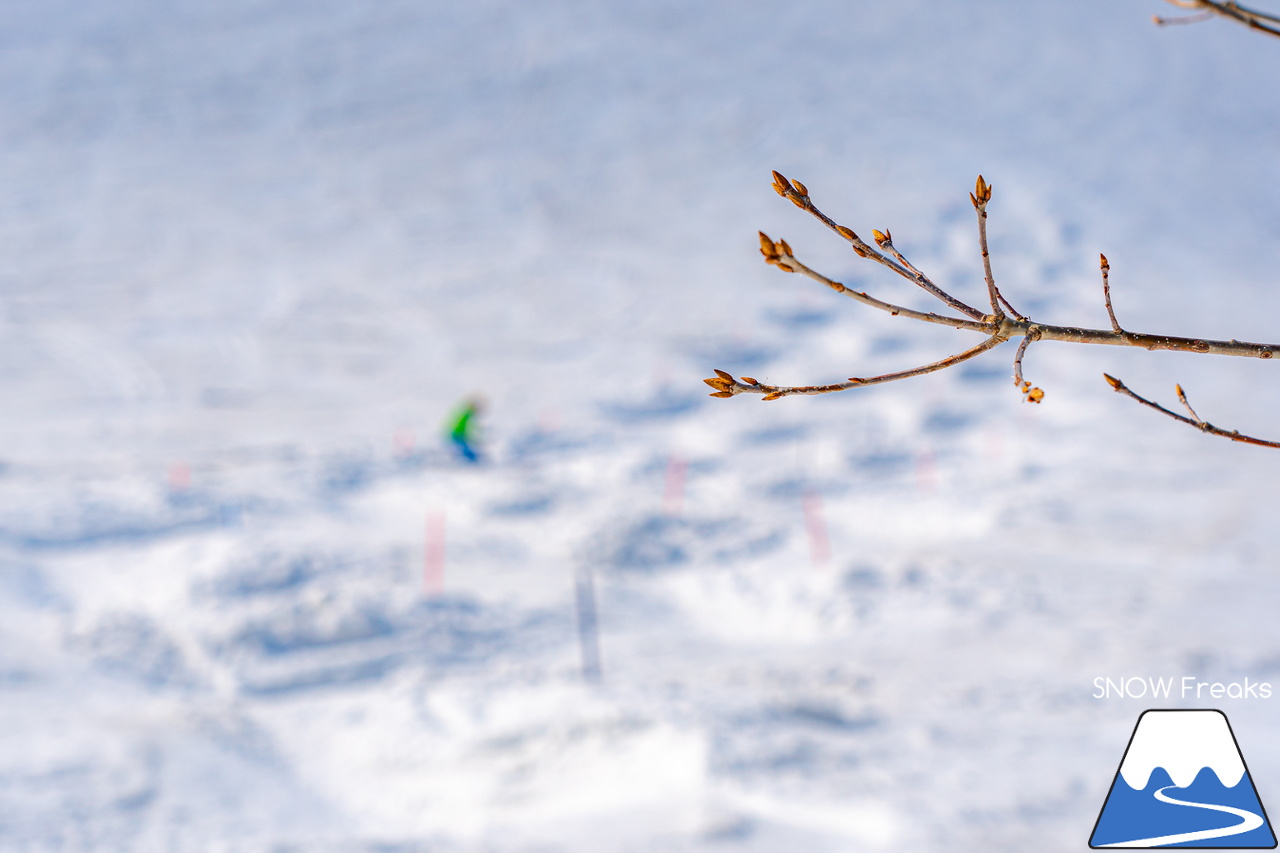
1251,18
980,196
779,254
1017,360
1239,13
1182,398
1011,309
798,195
1184,19
727,386
1199,424
1030,394
1254,13
1106,294
885,241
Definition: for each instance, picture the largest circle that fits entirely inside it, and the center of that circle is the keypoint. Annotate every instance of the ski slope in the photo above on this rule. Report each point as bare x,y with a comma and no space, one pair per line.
255,252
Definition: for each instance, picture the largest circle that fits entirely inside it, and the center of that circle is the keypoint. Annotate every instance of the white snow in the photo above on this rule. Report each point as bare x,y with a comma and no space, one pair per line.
255,252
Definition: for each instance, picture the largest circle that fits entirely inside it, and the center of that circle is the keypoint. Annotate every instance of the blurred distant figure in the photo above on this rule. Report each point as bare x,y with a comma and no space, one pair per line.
463,426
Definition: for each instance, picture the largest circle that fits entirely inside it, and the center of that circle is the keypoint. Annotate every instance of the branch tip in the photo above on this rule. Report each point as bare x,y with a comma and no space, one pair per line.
774,252
1105,266
1195,420
1182,398
981,192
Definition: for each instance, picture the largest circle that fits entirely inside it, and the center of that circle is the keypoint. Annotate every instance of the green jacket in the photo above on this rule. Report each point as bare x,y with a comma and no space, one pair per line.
462,428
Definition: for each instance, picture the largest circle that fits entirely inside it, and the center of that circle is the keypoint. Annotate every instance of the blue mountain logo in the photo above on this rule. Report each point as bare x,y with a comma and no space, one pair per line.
1183,783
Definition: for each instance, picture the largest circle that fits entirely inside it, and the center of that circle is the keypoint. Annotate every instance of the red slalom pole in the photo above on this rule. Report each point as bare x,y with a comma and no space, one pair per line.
179,477
673,493
403,442
926,473
433,563
815,522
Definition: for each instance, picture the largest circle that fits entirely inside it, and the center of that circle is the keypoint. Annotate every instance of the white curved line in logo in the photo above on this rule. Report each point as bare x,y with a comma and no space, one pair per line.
1248,821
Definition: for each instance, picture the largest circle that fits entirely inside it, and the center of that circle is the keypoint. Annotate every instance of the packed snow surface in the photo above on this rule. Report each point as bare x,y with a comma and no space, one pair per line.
255,253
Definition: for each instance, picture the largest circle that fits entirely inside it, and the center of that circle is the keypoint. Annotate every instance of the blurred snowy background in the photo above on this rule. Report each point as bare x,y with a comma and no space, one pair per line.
255,251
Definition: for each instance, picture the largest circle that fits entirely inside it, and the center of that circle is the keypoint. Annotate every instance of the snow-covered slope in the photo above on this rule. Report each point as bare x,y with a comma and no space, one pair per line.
256,251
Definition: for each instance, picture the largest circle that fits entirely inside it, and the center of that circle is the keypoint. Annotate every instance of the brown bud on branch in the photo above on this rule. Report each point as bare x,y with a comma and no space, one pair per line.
781,184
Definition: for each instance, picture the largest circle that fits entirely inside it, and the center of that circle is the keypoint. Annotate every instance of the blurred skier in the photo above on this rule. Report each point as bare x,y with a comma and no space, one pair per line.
463,427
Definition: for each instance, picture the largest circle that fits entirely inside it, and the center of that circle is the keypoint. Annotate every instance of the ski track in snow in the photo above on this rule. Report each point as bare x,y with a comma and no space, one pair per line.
255,252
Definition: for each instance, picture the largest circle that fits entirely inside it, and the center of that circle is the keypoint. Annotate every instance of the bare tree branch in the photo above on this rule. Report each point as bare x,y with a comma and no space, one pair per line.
1106,294
1185,19
885,241
980,196
1005,303
1029,393
1182,398
997,326
779,254
798,194
1194,420
727,386
1229,9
